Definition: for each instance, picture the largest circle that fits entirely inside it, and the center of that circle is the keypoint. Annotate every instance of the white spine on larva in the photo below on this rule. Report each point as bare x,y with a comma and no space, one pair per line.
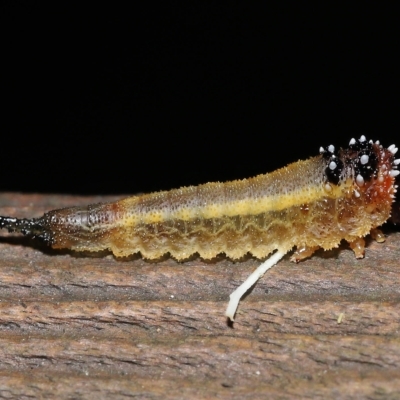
393,149
360,180
364,159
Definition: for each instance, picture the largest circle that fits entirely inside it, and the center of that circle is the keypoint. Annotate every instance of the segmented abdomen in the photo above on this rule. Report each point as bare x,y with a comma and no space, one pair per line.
254,215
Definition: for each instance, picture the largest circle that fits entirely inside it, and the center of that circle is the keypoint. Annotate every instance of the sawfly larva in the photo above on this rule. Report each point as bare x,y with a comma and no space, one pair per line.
309,204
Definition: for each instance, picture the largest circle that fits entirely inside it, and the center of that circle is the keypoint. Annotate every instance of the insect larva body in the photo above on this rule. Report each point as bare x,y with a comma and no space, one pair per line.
253,215
308,204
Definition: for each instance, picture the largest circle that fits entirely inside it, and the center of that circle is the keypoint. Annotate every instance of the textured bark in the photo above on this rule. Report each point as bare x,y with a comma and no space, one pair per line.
84,326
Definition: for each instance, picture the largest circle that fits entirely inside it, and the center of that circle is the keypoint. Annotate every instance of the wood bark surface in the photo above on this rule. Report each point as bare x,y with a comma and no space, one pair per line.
92,326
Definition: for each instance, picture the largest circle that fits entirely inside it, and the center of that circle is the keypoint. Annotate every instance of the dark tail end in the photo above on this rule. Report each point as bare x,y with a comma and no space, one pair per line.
34,227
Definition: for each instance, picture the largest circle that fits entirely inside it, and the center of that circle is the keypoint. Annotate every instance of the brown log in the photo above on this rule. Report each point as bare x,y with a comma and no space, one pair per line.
92,326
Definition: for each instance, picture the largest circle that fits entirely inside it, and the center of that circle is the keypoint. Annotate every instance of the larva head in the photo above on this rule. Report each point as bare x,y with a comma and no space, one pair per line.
368,167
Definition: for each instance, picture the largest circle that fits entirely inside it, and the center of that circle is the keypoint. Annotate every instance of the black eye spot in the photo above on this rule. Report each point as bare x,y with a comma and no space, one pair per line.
360,159
366,164
334,165
333,170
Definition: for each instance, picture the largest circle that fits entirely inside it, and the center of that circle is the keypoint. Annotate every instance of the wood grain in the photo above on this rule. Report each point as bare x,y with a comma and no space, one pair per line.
81,326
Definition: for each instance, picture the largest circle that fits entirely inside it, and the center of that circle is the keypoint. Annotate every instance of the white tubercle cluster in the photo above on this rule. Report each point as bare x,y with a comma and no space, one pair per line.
394,172
393,149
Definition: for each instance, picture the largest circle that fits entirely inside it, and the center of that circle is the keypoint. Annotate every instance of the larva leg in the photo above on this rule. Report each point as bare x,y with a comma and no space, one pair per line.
235,296
358,246
377,235
303,252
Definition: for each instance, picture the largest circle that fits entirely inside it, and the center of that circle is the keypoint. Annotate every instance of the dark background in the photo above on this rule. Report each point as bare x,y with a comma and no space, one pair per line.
125,100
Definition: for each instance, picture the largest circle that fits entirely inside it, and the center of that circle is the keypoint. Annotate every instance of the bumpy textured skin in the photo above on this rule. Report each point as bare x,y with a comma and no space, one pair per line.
306,204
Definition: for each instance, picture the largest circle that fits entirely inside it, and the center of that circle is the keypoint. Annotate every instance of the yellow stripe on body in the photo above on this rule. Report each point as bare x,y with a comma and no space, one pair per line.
249,206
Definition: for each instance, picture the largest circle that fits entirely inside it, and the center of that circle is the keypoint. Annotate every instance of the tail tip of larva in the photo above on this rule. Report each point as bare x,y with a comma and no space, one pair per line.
9,223
35,228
